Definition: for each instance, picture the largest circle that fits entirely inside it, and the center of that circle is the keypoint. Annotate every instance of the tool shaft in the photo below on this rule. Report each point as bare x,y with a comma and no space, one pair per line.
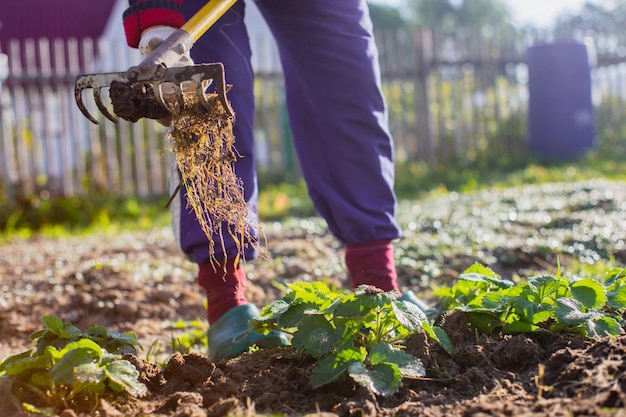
206,17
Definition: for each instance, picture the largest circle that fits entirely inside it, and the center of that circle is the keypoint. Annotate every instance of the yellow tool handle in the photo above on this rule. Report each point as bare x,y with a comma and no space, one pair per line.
206,17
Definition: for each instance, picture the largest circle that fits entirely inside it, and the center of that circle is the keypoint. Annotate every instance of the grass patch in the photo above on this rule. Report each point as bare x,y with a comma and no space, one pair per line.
414,180
80,215
281,200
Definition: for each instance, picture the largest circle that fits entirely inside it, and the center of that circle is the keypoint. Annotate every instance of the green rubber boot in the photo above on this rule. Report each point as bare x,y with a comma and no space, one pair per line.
230,335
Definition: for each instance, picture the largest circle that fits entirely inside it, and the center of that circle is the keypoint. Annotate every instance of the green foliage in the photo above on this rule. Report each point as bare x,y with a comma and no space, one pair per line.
589,307
193,336
286,199
450,15
358,334
386,17
71,369
25,216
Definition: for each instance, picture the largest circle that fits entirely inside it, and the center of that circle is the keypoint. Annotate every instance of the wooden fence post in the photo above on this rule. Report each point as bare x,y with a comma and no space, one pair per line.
422,44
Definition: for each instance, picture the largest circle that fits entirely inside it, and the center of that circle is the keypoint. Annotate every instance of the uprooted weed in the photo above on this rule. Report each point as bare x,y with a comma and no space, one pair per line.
203,145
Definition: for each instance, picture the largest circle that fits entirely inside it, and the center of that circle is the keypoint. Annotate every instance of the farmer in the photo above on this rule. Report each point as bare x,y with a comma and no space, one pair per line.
339,122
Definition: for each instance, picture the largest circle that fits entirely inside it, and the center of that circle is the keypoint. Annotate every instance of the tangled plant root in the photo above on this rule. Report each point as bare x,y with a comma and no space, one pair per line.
203,145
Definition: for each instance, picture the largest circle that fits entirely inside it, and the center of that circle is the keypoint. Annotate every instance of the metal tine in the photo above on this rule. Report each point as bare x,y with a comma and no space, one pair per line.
178,91
222,89
78,93
156,90
97,95
200,92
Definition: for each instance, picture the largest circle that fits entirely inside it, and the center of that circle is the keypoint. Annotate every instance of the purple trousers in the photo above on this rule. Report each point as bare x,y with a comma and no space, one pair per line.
336,109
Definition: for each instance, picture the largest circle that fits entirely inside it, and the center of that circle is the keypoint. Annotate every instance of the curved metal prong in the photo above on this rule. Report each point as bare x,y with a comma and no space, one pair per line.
221,89
200,92
78,94
156,90
97,95
178,92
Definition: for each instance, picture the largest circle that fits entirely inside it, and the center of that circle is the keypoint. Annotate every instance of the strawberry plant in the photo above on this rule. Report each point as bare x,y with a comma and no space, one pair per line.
590,307
358,334
71,369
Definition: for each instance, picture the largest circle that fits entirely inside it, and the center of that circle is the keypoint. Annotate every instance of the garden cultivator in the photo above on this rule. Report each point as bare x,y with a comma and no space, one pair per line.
139,92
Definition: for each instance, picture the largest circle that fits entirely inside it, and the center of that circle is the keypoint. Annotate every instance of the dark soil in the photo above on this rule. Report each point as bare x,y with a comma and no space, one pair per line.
138,281
135,101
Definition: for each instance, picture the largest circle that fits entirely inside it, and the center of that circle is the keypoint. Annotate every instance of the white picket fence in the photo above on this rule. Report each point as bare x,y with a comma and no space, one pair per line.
449,99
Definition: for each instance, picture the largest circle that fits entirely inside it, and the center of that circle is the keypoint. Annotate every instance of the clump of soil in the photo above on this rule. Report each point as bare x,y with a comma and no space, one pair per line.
135,101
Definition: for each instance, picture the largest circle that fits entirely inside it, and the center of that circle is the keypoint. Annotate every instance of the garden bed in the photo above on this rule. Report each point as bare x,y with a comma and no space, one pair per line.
139,282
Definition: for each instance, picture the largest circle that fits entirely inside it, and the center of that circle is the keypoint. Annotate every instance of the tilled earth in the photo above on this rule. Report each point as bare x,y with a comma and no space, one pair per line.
139,282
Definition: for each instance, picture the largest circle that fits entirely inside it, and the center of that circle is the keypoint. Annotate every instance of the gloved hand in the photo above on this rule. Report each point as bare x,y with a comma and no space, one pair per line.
150,39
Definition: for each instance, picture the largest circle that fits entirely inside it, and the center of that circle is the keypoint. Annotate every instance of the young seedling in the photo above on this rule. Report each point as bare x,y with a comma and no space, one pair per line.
71,369
544,303
358,334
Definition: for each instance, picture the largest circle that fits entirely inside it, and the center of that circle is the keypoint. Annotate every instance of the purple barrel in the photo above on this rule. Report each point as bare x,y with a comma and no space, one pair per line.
560,111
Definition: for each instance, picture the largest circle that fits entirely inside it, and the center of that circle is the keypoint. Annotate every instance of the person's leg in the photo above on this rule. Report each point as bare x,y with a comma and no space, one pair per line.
339,122
222,276
226,42
224,282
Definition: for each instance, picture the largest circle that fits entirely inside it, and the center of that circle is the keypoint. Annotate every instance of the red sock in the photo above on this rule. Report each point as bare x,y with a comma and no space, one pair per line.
225,287
372,263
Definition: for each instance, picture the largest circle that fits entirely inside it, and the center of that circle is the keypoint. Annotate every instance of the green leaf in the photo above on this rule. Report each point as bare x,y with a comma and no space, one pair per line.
570,311
87,345
546,284
88,374
62,330
316,293
274,310
350,308
478,278
543,289
16,364
45,411
379,352
370,299
617,298
484,321
382,379
533,312
112,341
589,292
493,300
63,371
409,315
477,268
53,324
293,315
88,379
520,327
615,277
444,340
602,327
314,335
125,377
331,367
407,364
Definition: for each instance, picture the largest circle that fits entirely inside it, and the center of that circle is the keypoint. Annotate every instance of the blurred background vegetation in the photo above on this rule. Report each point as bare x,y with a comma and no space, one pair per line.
284,195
